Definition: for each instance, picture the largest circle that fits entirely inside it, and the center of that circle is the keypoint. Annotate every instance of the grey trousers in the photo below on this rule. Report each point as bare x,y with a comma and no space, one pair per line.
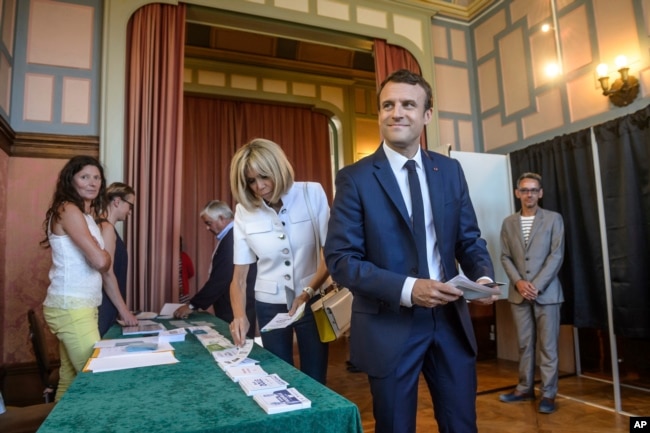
537,323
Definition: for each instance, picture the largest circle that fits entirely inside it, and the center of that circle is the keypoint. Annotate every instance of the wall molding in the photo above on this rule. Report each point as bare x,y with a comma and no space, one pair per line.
6,136
38,145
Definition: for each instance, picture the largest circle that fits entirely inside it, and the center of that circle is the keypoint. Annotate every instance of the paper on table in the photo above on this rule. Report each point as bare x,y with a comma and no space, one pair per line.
112,363
168,309
121,349
472,290
282,320
233,355
124,341
144,327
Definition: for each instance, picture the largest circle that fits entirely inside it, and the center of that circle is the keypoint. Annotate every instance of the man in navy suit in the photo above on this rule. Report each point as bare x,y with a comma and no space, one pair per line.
218,219
405,318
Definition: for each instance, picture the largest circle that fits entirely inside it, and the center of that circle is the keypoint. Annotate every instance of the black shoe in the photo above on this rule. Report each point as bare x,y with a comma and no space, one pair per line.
352,368
547,405
516,396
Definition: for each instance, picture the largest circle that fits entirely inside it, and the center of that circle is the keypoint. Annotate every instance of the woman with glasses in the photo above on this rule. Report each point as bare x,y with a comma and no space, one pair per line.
120,205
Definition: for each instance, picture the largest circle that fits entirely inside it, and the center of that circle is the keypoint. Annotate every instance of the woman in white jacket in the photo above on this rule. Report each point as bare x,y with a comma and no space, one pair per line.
273,227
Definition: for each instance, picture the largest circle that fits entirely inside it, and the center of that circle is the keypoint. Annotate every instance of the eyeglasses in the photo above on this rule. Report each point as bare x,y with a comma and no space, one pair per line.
526,191
131,205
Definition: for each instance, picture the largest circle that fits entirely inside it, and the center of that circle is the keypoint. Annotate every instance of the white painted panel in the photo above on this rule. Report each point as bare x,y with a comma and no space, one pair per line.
60,34
488,178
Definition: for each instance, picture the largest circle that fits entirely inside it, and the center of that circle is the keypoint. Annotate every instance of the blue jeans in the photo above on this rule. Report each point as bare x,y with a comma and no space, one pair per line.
313,354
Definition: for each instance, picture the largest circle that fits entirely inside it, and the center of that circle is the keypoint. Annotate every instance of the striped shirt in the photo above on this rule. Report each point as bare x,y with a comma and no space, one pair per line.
526,225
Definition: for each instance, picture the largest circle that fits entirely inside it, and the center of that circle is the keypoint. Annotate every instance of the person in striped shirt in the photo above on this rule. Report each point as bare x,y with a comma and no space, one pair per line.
532,251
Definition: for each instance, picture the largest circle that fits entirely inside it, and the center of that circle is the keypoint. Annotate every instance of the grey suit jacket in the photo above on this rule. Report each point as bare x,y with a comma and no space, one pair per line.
538,262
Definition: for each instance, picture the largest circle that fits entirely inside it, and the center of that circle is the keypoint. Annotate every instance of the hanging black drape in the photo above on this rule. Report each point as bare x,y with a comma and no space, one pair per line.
624,153
566,166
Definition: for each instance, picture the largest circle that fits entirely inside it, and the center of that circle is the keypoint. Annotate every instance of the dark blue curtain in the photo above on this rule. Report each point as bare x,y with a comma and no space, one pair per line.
566,166
624,152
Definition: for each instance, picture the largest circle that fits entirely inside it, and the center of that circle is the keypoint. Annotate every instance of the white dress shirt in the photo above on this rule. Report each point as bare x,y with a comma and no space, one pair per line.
397,161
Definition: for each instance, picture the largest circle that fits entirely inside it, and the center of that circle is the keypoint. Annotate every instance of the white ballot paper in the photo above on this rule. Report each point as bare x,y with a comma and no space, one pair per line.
472,290
282,320
168,310
124,353
233,355
112,363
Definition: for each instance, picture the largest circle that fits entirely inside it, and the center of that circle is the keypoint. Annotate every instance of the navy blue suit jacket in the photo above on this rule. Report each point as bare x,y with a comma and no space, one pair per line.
216,291
370,249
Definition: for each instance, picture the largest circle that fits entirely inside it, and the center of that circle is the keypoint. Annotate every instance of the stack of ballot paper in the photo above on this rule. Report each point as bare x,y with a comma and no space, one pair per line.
284,400
120,354
214,342
225,364
144,327
472,290
238,372
262,384
233,355
172,335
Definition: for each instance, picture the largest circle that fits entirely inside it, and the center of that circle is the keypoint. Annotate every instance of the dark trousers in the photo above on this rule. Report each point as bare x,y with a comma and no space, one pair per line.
313,354
437,348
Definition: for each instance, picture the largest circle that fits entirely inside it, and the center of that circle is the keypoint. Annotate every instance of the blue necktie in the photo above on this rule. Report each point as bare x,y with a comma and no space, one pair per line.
417,218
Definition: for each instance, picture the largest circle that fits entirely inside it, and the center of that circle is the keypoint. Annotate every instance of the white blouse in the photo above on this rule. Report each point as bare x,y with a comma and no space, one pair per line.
282,243
73,282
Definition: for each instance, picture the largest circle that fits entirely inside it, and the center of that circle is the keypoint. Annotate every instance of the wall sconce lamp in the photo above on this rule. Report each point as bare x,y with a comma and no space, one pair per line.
625,89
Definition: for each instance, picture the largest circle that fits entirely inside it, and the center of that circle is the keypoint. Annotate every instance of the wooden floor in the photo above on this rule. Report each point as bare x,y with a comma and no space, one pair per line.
577,401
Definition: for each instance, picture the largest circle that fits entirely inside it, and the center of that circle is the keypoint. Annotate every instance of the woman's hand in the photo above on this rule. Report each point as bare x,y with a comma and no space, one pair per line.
238,329
298,301
129,319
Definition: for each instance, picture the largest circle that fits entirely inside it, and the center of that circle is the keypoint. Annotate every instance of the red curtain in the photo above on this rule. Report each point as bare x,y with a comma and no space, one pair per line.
213,130
390,58
154,113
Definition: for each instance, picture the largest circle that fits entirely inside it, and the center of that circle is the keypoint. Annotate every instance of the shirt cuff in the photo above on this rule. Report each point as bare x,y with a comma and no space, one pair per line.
407,289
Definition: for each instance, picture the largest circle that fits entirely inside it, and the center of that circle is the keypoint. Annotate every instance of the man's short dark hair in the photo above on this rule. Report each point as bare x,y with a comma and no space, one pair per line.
530,175
408,77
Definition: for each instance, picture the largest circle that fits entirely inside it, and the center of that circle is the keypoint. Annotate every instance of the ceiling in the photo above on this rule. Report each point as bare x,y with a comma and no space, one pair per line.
217,35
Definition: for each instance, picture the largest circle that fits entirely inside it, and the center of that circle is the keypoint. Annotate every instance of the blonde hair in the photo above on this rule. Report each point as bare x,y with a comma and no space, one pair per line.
119,189
266,158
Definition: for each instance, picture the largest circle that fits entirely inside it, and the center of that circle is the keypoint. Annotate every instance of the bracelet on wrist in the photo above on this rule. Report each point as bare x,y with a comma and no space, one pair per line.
310,292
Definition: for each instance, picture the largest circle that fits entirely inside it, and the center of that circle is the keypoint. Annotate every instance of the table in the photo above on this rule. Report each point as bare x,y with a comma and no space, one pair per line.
194,395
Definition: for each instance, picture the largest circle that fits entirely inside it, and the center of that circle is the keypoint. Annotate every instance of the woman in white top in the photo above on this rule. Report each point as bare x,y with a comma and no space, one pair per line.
273,227
78,261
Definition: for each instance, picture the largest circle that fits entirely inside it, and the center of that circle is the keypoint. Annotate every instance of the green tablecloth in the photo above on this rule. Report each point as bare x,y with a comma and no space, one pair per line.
194,395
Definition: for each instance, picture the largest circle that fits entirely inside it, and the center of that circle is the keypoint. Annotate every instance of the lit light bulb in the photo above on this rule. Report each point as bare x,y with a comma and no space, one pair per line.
546,28
552,70
602,70
621,62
